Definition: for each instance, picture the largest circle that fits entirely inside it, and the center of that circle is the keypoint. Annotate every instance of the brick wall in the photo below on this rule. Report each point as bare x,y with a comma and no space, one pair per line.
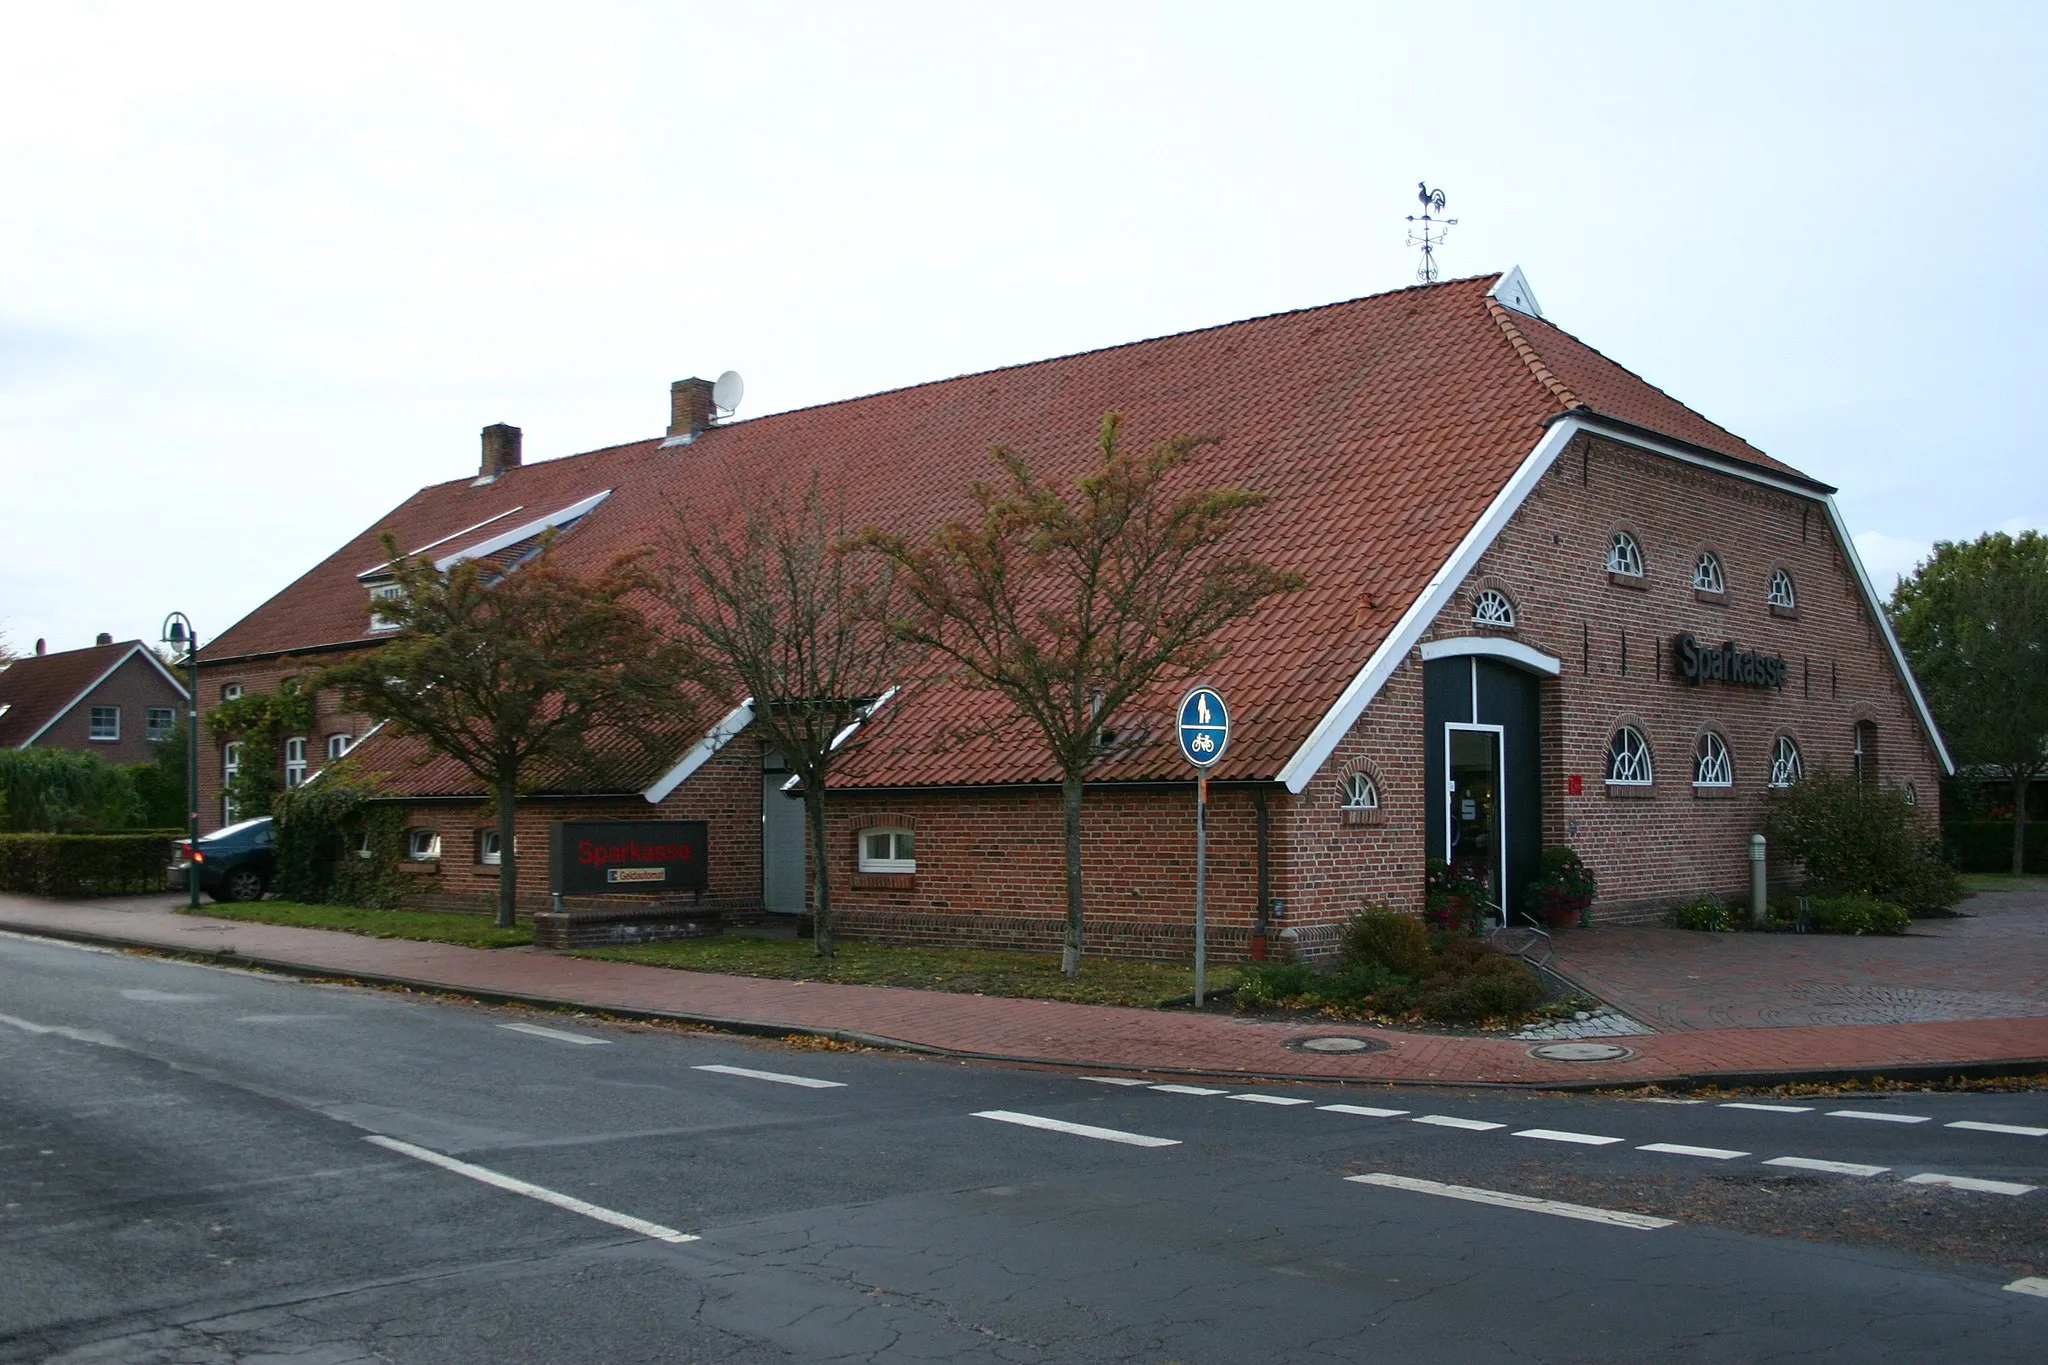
263,675
134,687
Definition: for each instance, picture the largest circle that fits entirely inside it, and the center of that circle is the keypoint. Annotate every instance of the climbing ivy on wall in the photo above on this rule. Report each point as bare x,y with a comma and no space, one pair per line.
260,722
338,845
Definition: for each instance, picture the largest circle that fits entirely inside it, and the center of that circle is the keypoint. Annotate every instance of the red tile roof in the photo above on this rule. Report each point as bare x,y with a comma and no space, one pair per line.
1382,428
38,689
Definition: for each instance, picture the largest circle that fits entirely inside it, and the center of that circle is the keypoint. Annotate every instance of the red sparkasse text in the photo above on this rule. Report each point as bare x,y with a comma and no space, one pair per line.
594,854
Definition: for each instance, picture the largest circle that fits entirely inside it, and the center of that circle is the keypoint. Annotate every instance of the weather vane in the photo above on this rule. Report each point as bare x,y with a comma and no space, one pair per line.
1432,233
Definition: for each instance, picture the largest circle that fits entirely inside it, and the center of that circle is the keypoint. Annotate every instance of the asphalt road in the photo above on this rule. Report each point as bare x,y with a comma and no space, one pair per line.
201,1165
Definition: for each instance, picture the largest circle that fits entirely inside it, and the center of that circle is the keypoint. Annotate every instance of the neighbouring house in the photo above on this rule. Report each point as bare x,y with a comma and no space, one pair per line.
1547,603
108,699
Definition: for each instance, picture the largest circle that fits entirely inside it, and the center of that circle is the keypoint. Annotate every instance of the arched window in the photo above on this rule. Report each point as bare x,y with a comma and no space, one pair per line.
1785,769
1711,766
888,850
1361,793
1628,758
1706,573
1782,593
1624,556
339,745
1912,794
1492,608
295,760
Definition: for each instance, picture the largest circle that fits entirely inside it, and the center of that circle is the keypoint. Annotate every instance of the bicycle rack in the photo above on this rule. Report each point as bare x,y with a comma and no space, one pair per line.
1503,937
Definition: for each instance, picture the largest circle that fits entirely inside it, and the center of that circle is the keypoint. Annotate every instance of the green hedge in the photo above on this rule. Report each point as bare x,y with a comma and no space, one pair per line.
84,864
1986,845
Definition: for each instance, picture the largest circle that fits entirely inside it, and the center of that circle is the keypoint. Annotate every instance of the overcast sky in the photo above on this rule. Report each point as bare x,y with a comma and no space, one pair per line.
269,268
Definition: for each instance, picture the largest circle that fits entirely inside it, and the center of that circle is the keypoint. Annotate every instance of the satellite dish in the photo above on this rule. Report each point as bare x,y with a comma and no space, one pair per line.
728,391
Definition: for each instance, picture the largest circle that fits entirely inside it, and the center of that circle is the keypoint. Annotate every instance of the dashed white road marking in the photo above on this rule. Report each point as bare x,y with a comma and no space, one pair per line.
1117,1080
1663,1099
1874,1117
1365,1109
582,1039
2016,1129
1189,1090
1807,1163
1271,1099
2031,1284
1586,1213
1470,1125
1681,1149
1086,1130
1557,1135
778,1077
1967,1182
1769,1108
546,1196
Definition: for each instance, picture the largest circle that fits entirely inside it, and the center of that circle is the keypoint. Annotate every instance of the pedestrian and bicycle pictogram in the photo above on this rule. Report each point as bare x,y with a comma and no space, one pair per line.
1204,727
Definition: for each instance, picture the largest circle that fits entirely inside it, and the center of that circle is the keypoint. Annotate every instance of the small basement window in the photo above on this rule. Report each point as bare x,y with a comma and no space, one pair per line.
423,845
106,723
490,849
888,850
231,692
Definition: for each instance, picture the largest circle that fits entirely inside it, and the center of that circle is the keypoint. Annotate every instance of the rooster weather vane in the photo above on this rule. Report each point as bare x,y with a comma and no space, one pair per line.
1432,232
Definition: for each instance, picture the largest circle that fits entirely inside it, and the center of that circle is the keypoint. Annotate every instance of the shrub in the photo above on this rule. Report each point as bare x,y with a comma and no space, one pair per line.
1451,900
1856,915
323,830
1386,939
1474,982
59,791
1461,981
83,864
1263,985
1708,916
1562,891
1861,841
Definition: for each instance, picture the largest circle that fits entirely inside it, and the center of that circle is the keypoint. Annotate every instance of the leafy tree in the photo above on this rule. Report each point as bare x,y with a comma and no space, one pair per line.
1974,621
779,612
260,722
1069,603
518,675
160,784
62,791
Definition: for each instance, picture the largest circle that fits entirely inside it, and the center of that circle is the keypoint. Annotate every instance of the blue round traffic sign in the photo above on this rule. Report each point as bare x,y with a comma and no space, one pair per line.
1204,726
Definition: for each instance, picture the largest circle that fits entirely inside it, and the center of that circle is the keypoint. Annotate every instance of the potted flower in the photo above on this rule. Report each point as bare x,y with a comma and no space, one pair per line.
1562,891
1452,899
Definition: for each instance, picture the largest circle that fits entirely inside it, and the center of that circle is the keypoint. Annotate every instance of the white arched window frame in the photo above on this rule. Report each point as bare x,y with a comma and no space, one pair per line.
888,850
1492,608
1628,758
1711,766
1785,765
1361,792
1625,555
294,761
1783,594
1912,794
1706,573
339,745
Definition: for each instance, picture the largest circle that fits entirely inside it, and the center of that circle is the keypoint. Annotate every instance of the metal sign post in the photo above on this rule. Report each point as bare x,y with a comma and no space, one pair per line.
1204,733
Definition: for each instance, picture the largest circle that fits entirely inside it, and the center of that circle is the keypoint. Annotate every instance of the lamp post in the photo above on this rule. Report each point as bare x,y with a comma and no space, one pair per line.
179,633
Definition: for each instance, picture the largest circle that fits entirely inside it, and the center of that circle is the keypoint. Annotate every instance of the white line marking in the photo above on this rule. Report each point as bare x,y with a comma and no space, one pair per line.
1117,1080
776,1076
2017,1130
1680,1149
1664,1099
1874,1117
1270,1099
543,1194
2032,1284
558,1035
1558,1135
1470,1125
1189,1090
1966,1182
1771,1108
1364,1109
55,942
1807,1163
1087,1130
1613,1217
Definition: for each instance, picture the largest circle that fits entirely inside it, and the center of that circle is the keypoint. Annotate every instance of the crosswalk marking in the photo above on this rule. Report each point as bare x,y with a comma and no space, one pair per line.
1363,1109
1086,1130
1682,1149
1469,1125
1874,1117
2030,1284
778,1077
1189,1090
1270,1099
558,1035
484,1175
1769,1108
2015,1129
1557,1135
1117,1080
1965,1182
1807,1163
1642,1222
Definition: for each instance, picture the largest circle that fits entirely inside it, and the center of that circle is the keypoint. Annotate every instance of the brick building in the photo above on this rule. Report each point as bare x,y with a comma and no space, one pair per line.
109,699
1547,604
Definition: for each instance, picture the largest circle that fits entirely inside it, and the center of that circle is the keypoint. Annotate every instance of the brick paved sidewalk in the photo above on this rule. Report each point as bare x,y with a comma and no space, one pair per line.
1093,1036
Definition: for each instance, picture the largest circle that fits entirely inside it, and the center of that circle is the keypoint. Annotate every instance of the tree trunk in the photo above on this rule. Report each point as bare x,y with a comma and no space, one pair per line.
508,858
2019,826
821,869
1070,955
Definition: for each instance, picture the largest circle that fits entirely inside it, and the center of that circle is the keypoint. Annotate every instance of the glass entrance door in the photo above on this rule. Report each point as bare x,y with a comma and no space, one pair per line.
1473,815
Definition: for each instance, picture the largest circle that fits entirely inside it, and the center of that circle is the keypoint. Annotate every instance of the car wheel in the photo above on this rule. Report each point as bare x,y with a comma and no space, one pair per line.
242,884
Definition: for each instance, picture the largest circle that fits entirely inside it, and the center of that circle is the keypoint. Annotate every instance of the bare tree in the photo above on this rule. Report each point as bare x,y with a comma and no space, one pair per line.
779,612
1071,603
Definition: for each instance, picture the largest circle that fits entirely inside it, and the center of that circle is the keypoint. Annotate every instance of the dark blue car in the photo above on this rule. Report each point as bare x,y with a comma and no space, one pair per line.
233,864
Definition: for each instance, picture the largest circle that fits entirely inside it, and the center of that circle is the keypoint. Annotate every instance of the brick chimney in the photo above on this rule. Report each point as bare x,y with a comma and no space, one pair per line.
689,411
501,451
103,638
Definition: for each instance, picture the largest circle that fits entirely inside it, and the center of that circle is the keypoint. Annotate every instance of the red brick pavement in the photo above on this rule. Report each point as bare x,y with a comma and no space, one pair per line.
1093,1036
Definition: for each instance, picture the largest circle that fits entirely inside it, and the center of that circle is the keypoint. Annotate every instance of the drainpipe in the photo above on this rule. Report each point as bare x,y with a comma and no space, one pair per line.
1759,883
1265,877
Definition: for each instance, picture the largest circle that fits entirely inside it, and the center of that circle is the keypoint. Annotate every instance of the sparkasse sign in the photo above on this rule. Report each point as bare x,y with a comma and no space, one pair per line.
1698,663
610,857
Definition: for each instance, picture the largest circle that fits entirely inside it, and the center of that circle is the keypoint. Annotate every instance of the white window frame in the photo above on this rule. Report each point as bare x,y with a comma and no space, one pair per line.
1786,766
294,761
1361,792
489,848
1712,765
339,745
1625,555
1706,573
1635,757
895,864
423,845
230,761
1492,608
384,592
1912,794
231,692
107,732
1784,593
156,731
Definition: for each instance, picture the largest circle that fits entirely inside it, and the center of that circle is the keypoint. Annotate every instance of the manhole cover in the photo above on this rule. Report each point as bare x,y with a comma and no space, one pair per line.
1337,1043
1581,1052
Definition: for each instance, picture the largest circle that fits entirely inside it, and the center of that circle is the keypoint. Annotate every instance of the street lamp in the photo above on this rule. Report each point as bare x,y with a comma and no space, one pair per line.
179,633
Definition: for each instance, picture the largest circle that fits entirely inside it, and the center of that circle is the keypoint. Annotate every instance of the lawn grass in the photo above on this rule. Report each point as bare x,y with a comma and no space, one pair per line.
1029,976
472,931
2003,881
